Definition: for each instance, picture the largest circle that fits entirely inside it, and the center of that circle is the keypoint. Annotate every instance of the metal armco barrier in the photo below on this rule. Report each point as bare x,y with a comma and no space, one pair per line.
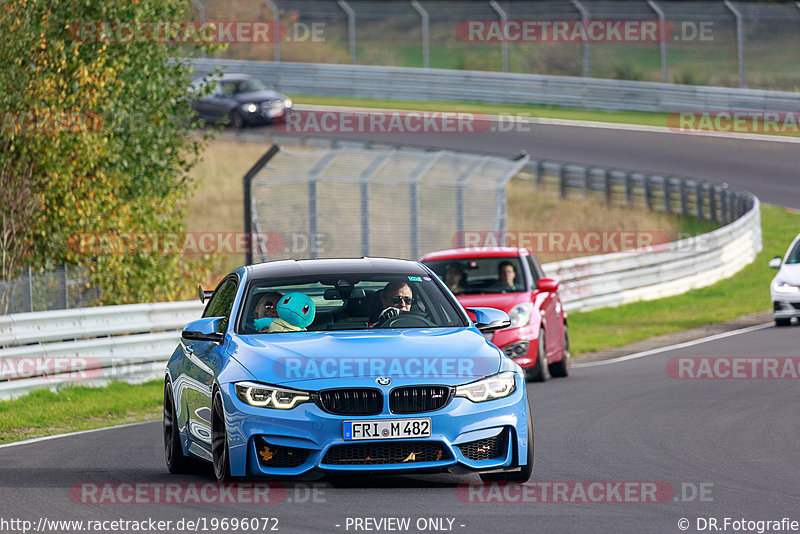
404,83
89,345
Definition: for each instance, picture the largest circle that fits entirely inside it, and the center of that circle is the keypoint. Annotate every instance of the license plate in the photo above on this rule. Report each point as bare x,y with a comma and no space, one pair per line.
387,429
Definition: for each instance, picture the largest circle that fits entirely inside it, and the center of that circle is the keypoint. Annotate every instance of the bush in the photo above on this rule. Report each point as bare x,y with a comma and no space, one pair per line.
121,162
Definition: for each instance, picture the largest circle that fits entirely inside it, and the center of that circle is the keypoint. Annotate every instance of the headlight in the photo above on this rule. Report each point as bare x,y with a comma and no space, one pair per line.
783,287
287,103
250,108
490,388
265,396
521,314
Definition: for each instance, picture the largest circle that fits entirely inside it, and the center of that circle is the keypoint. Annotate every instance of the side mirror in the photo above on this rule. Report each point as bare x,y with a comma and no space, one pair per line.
204,329
490,319
204,293
547,284
775,262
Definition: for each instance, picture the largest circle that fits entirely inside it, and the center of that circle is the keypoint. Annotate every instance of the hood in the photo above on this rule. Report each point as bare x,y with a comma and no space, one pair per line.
319,360
258,96
500,301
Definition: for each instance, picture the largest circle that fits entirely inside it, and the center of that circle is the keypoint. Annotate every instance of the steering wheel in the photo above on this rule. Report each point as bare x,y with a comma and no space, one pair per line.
408,319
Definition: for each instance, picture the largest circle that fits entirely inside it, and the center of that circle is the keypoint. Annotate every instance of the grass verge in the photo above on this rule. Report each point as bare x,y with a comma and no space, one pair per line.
745,292
644,118
74,408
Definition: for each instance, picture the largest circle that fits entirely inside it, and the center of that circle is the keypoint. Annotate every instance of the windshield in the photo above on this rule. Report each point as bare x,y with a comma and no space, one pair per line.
794,255
347,302
235,87
480,275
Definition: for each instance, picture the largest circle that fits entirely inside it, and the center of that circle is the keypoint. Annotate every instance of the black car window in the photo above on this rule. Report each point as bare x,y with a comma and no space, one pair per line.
536,269
221,303
794,256
354,301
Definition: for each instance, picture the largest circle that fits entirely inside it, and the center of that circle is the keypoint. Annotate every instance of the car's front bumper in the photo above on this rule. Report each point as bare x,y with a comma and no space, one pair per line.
301,439
785,306
521,344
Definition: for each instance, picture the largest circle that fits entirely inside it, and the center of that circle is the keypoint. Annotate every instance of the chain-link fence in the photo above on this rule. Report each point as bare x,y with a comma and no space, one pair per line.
724,43
324,198
65,287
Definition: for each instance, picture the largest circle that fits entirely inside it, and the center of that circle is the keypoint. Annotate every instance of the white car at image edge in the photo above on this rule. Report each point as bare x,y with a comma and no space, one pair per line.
785,287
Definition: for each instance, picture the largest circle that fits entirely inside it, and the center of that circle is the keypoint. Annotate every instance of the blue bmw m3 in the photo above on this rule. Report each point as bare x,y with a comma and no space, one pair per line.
298,368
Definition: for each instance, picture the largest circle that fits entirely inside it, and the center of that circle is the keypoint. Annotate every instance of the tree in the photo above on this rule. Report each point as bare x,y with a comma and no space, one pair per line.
95,138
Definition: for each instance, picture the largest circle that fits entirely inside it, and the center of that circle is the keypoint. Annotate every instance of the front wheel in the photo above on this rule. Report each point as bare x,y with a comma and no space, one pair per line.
177,462
219,441
538,373
783,322
561,368
236,120
526,471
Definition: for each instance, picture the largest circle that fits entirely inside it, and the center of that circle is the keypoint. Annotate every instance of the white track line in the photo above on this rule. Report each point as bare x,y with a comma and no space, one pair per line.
674,347
56,436
576,123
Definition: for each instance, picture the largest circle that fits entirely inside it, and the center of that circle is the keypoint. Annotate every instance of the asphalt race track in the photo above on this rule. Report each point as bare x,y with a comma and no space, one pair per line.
727,448
769,169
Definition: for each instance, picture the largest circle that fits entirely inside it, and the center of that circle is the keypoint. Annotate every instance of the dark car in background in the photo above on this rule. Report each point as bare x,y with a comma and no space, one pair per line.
239,100
537,338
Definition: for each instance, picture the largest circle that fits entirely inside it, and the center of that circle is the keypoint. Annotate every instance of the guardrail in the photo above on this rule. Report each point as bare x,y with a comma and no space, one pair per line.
405,83
132,342
89,345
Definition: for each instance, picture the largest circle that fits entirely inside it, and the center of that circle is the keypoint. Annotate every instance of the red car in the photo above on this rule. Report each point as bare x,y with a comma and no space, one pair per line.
512,280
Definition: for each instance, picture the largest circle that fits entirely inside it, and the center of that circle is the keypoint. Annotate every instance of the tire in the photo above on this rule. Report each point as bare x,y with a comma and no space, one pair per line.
236,120
524,474
538,373
783,322
560,369
177,462
219,441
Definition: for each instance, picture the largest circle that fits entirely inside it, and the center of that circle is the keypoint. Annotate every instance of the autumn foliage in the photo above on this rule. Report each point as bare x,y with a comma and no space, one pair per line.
94,138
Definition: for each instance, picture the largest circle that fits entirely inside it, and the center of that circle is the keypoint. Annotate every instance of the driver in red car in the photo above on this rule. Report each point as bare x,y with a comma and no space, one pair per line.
394,298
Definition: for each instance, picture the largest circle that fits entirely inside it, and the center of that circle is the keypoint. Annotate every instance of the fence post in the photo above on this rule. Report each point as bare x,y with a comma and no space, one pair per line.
247,183
739,40
413,200
276,31
562,181
539,173
351,28
667,194
202,10
27,290
684,200
61,282
374,165
648,194
585,182
426,33
712,203
607,185
723,205
504,25
698,194
585,20
662,37
628,188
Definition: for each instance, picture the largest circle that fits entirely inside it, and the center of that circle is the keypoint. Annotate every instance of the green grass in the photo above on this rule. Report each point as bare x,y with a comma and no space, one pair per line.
549,112
645,118
745,292
43,412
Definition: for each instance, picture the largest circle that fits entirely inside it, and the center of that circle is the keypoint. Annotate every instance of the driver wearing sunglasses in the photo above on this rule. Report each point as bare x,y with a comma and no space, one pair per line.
395,297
